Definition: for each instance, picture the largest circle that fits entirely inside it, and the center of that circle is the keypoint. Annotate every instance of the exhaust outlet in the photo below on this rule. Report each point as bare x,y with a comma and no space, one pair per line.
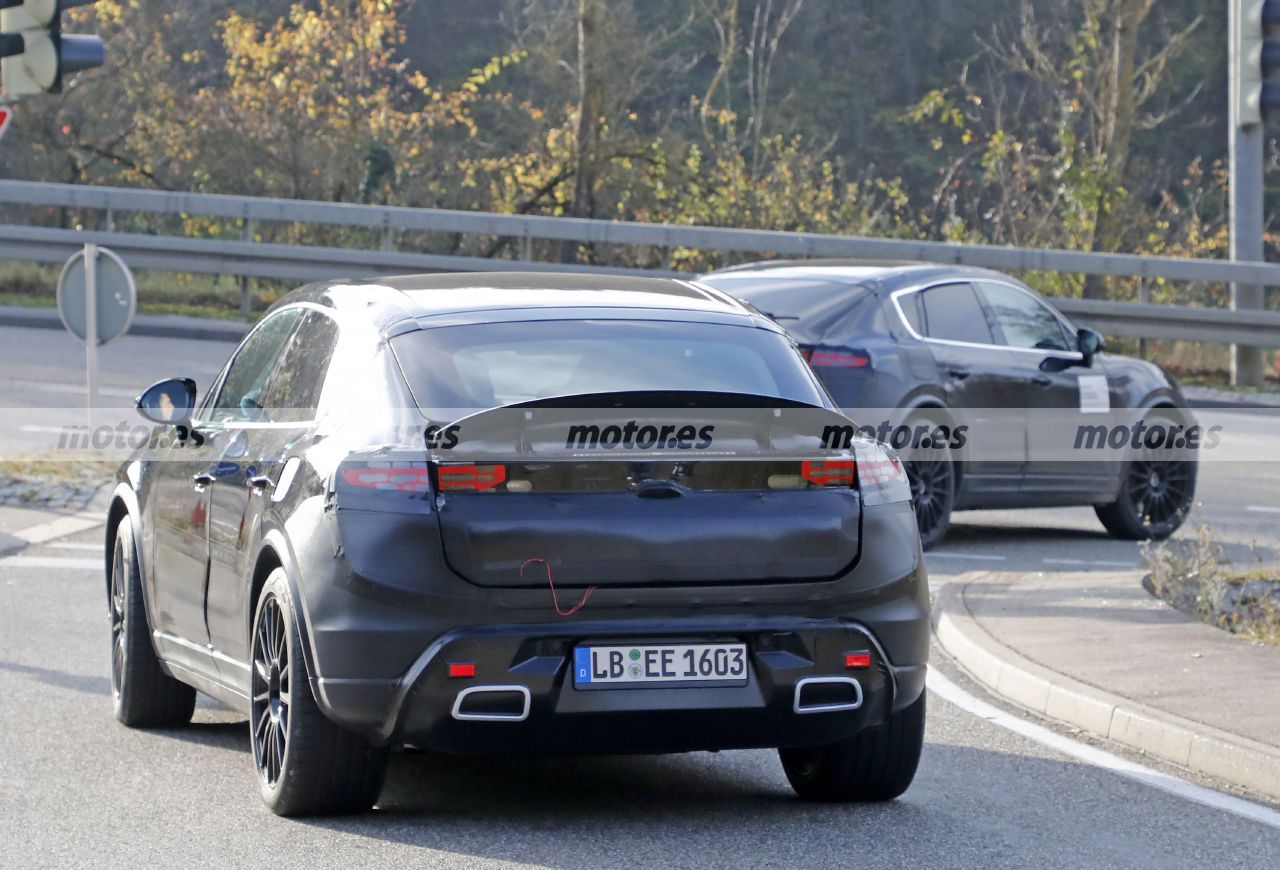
492,704
827,695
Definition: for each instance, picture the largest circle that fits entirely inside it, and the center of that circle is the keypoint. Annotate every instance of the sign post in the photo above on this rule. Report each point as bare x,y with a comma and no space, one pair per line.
97,298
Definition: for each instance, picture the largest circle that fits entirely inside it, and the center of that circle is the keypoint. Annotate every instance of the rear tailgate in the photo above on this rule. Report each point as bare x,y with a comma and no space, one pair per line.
641,496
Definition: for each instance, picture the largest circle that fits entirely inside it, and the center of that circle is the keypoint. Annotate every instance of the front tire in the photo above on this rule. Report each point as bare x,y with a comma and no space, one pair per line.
306,764
1157,491
876,764
143,694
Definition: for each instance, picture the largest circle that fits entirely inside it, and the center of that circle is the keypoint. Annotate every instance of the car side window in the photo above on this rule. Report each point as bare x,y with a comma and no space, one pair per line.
292,390
952,312
238,398
1025,320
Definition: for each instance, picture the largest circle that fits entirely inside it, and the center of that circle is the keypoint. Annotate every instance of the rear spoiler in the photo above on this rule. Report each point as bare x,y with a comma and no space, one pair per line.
648,426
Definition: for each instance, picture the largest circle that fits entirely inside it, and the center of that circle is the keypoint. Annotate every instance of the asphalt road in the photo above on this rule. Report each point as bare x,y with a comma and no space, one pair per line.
76,788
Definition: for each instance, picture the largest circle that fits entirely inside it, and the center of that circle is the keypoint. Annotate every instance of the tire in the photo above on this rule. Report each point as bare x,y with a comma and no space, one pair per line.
143,694
306,764
876,764
1157,491
933,487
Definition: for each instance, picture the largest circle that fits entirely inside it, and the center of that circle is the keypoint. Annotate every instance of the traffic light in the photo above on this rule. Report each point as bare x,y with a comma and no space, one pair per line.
36,54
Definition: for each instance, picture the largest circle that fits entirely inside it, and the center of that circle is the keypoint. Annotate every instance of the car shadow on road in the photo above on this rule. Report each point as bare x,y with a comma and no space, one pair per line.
60,679
730,809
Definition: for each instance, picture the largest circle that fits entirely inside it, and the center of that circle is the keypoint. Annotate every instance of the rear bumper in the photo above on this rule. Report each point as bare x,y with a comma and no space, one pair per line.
380,636
522,699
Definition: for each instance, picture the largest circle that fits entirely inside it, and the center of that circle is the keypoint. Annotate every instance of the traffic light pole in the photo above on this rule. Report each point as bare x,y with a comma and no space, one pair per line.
1246,239
1248,61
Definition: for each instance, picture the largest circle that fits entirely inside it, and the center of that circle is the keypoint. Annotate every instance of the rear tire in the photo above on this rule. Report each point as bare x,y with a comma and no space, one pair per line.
932,475
876,764
1157,491
144,695
306,764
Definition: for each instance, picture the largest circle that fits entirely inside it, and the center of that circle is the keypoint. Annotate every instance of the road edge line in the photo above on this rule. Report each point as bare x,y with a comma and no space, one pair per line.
1012,676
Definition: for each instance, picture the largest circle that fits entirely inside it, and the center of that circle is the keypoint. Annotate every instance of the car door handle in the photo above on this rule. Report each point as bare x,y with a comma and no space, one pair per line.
1042,381
958,374
261,483
202,480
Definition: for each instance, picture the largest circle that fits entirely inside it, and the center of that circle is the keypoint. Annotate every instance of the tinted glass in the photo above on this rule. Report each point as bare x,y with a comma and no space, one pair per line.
952,312
292,392
1025,320
494,364
242,387
785,298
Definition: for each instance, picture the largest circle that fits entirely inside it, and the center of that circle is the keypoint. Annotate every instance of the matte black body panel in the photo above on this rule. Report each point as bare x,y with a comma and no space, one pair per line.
383,609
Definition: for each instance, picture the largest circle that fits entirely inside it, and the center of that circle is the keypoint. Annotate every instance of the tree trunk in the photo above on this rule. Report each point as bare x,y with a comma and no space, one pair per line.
587,134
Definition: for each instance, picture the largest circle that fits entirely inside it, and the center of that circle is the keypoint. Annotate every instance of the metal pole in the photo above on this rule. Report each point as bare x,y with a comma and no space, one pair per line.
91,327
1144,297
1246,240
1246,206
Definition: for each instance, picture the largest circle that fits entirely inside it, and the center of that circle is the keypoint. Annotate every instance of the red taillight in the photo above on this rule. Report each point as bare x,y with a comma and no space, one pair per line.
857,660
402,479
829,472
454,478
461,669
838,359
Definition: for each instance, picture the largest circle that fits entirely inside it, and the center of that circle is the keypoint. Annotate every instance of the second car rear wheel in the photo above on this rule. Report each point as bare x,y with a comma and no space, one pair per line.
306,764
932,473
876,764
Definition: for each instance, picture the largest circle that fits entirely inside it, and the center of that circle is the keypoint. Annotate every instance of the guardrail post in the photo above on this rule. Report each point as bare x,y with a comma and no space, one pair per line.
246,283
1144,296
388,240
526,247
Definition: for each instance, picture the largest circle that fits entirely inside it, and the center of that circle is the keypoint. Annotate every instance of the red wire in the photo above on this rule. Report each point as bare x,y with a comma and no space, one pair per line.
555,601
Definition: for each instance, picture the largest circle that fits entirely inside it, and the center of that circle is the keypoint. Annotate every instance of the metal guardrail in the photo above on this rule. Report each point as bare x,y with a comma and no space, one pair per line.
305,262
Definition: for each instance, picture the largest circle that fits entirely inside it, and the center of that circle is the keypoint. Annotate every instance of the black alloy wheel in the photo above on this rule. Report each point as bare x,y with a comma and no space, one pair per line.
271,691
933,487
1157,491
144,696
307,765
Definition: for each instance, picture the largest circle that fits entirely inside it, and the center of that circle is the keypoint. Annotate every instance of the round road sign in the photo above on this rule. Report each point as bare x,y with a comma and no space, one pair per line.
117,296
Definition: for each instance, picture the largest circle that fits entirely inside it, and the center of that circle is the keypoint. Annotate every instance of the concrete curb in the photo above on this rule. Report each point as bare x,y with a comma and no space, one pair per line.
154,325
1201,748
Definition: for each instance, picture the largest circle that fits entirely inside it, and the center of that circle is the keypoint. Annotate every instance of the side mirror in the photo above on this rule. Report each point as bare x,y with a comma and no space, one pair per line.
169,402
1090,343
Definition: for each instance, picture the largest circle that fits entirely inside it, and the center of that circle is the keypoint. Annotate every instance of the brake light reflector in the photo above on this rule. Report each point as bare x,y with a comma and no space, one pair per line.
461,669
857,660
829,472
399,478
455,478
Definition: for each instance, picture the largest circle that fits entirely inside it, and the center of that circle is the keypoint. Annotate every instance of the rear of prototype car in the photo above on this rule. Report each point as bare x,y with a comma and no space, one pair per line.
598,565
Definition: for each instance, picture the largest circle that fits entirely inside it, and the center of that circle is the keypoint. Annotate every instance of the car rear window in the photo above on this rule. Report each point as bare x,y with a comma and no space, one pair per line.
784,299
494,364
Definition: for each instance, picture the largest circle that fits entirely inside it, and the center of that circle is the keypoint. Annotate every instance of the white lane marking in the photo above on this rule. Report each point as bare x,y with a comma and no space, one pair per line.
47,430
949,691
61,527
20,562
1262,509
980,556
1100,562
68,545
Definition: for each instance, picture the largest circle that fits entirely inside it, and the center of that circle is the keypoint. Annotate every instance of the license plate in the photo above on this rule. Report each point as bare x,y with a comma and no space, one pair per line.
700,664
